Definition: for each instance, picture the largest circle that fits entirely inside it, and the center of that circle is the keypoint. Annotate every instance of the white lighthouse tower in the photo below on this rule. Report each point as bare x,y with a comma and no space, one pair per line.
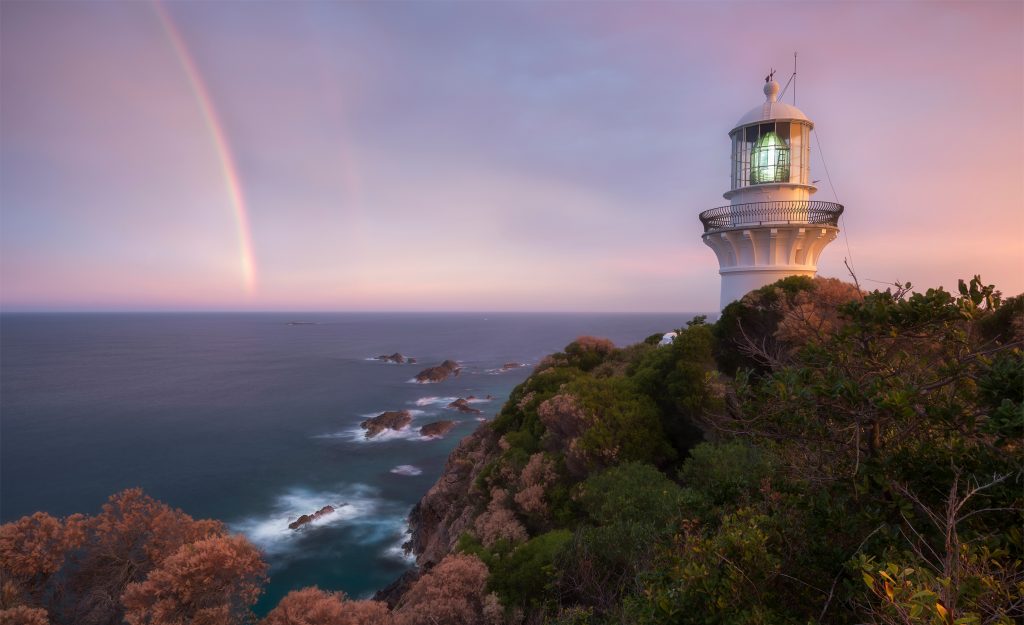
771,228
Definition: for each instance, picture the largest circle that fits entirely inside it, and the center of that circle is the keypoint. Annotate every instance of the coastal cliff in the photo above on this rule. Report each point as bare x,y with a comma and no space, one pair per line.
646,483
448,509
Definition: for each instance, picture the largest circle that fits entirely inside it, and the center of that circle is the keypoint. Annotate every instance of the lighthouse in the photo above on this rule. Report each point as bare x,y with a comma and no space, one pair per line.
771,228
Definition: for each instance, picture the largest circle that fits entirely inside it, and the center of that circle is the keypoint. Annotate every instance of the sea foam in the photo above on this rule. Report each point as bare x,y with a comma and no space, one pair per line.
407,469
270,531
435,401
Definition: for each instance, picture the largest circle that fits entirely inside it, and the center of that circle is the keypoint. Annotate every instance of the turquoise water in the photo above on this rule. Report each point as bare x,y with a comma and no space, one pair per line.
253,420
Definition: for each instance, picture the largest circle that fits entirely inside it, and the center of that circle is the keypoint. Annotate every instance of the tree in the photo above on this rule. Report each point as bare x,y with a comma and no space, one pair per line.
23,615
132,535
629,508
452,593
213,581
312,606
33,550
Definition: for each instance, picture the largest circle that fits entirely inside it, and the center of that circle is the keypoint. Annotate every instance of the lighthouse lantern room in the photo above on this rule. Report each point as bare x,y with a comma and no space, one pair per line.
771,228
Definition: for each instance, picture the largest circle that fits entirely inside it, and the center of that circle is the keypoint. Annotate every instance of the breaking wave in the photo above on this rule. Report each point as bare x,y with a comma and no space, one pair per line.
270,531
434,401
358,435
407,469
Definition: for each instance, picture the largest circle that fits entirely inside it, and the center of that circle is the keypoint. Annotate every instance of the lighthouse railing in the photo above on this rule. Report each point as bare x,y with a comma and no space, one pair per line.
781,212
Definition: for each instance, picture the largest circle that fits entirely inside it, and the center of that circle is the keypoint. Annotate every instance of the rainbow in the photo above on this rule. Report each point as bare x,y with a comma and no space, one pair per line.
236,195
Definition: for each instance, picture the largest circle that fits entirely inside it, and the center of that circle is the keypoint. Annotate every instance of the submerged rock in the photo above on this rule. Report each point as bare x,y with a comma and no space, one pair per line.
391,420
396,358
309,518
439,373
437,428
462,405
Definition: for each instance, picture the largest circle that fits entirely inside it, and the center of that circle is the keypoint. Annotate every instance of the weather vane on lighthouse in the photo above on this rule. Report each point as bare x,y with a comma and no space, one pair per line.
771,228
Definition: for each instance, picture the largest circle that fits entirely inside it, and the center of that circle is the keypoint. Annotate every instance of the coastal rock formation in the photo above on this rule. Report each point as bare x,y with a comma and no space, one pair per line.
393,592
391,420
462,405
508,366
437,428
449,507
439,373
396,358
305,519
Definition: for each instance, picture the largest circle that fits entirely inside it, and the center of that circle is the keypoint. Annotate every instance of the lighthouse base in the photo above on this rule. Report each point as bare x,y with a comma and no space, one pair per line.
751,257
738,282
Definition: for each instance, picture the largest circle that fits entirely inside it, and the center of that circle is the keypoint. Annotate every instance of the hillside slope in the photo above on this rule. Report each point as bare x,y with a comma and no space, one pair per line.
819,454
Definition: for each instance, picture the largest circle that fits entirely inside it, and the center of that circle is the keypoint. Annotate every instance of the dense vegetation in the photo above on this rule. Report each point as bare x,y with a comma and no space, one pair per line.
818,455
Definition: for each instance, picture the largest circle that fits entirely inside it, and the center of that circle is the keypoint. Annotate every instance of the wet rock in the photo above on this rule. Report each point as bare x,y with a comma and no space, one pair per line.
391,420
439,373
396,358
462,405
393,592
437,428
309,518
508,366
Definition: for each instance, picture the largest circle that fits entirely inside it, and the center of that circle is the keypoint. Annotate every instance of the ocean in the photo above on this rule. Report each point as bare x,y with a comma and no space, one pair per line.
253,419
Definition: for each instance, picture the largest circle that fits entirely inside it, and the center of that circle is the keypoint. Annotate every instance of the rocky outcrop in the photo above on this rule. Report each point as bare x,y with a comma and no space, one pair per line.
391,420
462,405
396,358
449,507
393,592
439,373
437,428
508,366
305,519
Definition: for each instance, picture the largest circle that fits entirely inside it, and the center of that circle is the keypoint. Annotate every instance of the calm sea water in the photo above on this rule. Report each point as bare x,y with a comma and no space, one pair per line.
254,421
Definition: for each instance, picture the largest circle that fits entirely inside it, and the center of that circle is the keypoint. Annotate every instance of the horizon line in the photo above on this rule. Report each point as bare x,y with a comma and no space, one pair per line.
345,312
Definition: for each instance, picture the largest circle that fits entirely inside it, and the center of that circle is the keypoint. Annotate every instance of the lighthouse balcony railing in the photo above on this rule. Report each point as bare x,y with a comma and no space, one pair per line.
781,212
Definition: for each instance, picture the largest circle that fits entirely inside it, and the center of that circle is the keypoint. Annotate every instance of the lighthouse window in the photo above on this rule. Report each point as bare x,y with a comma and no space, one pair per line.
769,159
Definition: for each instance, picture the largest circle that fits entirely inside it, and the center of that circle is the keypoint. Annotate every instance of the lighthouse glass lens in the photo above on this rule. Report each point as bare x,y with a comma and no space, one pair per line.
769,160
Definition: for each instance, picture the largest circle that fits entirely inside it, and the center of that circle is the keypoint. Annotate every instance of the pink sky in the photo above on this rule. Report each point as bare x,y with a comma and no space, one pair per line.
462,156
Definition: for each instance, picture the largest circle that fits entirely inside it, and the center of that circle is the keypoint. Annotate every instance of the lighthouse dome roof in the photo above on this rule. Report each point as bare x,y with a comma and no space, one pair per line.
771,109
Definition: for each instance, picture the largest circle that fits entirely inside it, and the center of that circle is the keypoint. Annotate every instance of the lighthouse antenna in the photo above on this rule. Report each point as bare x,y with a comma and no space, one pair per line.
792,80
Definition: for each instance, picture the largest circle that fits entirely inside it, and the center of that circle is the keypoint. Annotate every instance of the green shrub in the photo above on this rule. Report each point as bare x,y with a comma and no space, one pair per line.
729,472
626,424
725,578
757,315
525,576
678,378
632,492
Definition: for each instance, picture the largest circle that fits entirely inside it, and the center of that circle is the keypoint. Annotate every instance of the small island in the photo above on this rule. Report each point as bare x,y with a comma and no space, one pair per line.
462,405
390,420
306,519
440,373
437,428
